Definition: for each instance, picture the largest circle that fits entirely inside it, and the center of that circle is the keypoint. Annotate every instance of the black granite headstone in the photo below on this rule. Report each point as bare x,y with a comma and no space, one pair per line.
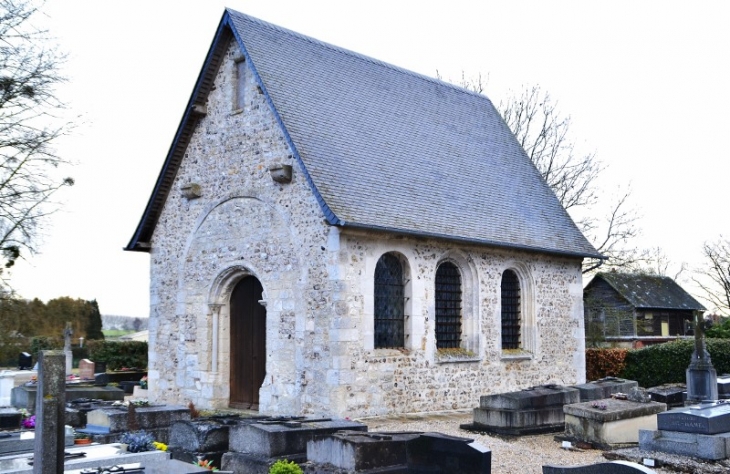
99,367
614,467
25,361
707,418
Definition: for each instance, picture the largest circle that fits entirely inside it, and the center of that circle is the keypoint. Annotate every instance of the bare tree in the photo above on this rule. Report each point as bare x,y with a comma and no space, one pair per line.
657,262
714,277
544,134
29,124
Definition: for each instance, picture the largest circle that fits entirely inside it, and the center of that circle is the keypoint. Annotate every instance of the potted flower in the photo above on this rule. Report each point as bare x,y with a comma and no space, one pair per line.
82,438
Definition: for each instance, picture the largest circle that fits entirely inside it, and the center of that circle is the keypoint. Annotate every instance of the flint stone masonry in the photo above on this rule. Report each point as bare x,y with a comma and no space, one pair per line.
707,418
604,388
396,452
616,425
318,289
536,410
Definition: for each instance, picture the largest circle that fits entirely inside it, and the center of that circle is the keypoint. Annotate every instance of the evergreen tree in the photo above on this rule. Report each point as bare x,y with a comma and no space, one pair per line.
93,324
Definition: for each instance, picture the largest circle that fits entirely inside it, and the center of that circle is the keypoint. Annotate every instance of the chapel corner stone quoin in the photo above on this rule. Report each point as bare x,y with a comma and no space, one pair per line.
316,248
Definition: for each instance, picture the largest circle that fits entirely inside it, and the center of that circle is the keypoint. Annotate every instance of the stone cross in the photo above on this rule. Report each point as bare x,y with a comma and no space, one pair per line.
50,405
67,333
701,375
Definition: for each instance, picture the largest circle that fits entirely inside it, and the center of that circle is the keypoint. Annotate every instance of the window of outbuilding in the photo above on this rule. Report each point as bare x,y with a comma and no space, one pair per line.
448,306
511,314
389,302
239,100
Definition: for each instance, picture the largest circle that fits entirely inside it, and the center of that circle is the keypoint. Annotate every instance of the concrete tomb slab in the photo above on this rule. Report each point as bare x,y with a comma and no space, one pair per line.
115,419
613,467
535,410
712,447
25,395
723,386
255,446
604,388
610,423
24,441
403,452
9,379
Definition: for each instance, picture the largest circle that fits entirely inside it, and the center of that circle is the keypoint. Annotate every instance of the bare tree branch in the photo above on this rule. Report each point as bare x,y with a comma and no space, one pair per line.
714,277
29,125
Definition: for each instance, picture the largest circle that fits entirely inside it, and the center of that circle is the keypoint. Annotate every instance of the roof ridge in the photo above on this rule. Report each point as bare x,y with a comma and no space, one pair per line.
355,54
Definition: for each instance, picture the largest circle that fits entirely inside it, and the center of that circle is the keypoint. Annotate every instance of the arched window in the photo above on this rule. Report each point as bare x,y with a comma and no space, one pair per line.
389,302
448,306
511,318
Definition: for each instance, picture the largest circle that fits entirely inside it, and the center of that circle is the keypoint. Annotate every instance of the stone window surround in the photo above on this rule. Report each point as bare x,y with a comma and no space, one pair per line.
369,303
528,344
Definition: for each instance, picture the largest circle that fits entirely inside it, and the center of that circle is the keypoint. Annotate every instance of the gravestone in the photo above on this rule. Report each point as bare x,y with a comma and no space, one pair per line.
67,347
613,467
206,438
25,395
49,446
108,424
408,452
723,387
25,361
604,388
256,446
701,375
701,431
86,369
673,395
9,419
535,410
610,423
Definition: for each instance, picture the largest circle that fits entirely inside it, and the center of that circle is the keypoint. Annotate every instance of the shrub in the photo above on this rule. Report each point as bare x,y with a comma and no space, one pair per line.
667,363
118,355
602,363
45,343
285,467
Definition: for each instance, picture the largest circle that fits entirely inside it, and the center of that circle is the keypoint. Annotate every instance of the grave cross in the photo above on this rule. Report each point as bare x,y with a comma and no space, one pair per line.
701,375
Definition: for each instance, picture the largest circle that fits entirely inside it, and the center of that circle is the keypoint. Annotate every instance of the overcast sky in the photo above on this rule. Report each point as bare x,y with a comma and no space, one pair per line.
646,85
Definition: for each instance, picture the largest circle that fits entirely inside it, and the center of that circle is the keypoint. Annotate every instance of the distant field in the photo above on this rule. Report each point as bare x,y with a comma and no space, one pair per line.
115,332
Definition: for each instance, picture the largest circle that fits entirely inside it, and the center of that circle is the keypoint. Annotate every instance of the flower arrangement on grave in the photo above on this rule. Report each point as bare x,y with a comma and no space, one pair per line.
282,466
599,405
143,383
205,464
159,446
29,422
138,441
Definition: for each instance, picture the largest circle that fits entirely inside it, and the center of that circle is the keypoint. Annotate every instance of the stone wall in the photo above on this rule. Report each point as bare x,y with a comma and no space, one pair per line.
318,289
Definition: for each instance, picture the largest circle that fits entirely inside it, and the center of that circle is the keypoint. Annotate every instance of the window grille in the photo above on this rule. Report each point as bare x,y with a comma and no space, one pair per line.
510,310
389,302
448,306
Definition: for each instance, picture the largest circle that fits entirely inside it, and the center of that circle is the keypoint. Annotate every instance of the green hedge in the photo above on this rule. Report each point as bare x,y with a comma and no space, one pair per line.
667,363
118,355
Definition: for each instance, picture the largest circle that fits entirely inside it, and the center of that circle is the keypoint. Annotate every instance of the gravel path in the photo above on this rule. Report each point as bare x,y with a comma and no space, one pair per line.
519,455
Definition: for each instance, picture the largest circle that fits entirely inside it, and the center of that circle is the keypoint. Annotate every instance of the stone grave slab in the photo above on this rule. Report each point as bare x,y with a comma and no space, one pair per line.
673,395
613,467
9,379
535,410
25,395
255,446
164,467
706,418
398,452
24,441
10,419
604,388
610,423
86,369
207,438
723,386
86,457
712,447
115,419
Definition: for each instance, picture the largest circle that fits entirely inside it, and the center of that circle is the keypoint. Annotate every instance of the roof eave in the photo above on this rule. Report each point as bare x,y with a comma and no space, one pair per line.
466,240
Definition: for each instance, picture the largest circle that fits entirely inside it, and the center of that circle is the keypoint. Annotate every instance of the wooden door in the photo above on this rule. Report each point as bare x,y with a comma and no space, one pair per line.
248,343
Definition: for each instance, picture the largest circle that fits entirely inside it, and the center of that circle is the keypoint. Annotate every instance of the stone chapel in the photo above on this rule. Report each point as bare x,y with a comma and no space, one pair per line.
333,235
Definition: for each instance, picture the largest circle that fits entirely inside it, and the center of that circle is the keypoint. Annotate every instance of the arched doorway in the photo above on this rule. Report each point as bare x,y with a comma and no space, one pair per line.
248,343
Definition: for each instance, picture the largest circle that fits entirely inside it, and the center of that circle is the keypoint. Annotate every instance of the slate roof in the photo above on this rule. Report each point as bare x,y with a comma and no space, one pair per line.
649,291
386,148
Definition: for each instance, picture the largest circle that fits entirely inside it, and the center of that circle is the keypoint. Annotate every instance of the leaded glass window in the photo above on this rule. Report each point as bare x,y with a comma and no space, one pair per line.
448,306
510,310
389,302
